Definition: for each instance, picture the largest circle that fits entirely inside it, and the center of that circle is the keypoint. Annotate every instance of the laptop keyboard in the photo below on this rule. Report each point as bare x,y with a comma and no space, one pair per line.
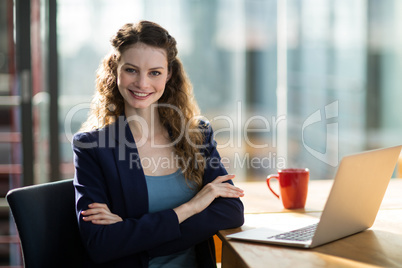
302,234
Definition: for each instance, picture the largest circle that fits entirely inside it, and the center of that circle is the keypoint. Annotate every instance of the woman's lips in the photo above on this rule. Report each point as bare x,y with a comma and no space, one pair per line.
140,95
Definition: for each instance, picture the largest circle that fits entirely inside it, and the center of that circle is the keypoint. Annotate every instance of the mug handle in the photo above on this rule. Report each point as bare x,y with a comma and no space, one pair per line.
272,176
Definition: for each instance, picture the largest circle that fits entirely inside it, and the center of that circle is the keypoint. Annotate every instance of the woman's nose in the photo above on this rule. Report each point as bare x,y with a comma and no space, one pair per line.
142,81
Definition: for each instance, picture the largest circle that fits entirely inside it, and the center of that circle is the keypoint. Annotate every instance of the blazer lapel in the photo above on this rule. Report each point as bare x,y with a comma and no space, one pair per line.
130,171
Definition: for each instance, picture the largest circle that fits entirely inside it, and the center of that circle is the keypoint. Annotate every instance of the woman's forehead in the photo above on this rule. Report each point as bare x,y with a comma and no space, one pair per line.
142,53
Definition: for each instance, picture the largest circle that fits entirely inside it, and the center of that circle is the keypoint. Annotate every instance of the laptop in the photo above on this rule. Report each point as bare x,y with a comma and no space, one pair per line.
352,205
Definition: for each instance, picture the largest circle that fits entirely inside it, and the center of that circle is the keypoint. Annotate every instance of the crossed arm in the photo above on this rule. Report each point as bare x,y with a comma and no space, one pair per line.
109,236
98,213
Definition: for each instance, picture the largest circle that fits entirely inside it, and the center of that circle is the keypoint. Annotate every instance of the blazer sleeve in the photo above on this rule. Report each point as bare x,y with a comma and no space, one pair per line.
132,235
222,213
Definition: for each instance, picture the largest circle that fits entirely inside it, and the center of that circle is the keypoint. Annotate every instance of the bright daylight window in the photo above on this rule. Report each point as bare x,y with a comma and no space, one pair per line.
343,61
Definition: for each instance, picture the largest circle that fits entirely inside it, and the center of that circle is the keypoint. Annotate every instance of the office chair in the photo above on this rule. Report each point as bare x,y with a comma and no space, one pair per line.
46,222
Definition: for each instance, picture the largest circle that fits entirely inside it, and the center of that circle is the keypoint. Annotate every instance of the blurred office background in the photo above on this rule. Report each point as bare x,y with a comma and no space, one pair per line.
296,83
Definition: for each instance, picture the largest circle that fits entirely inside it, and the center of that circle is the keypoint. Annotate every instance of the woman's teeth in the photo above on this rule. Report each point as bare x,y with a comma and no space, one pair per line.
140,94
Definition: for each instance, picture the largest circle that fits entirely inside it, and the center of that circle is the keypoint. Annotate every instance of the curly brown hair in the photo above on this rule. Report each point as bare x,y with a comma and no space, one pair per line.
107,103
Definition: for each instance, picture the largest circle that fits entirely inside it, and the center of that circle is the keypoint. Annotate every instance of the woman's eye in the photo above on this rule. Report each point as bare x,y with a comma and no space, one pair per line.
155,73
130,70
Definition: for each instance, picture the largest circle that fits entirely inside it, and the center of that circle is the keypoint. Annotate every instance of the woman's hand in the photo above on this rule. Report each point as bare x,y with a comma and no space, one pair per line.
217,188
100,214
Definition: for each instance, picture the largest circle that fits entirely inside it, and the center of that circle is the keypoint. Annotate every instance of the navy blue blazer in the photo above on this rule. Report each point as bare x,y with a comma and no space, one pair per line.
108,170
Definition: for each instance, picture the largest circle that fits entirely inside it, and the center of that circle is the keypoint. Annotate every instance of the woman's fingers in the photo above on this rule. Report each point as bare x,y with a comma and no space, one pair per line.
95,211
96,208
102,219
233,192
222,189
99,205
100,214
229,191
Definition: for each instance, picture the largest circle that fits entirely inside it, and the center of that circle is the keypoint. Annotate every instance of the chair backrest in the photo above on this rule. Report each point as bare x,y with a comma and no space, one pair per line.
46,222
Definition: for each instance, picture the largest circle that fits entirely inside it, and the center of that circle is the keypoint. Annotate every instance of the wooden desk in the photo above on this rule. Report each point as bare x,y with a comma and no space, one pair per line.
379,246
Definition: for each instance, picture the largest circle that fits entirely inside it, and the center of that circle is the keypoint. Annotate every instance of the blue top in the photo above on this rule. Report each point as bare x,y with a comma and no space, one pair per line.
167,192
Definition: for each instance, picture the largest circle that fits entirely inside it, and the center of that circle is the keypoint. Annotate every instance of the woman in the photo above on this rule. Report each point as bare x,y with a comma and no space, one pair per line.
150,187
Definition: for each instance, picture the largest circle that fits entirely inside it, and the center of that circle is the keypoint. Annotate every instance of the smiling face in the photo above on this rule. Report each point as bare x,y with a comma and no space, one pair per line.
142,73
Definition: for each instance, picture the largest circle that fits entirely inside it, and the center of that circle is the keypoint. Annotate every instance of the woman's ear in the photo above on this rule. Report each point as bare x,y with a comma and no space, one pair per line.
169,76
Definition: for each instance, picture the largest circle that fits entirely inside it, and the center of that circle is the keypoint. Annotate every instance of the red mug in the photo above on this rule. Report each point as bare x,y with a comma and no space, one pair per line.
293,185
